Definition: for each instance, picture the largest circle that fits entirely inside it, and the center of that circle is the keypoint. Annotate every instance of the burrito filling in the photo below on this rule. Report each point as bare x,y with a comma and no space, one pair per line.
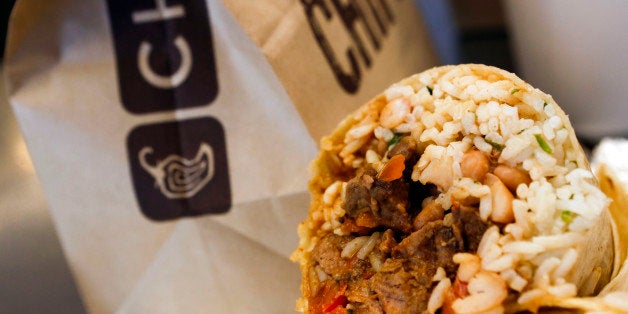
457,193
398,239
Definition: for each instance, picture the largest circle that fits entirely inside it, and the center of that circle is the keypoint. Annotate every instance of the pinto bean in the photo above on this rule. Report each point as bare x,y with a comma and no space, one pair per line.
394,112
474,165
501,200
511,177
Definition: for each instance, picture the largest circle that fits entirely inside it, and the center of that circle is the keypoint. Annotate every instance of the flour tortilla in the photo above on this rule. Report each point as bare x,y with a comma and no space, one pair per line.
598,253
614,296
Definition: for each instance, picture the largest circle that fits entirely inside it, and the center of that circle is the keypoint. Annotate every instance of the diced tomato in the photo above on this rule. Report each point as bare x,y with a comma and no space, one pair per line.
455,204
339,301
450,297
457,291
350,226
393,169
460,288
330,298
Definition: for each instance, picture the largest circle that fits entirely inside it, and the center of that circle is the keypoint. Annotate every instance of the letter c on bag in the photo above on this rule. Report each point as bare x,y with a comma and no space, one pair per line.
165,81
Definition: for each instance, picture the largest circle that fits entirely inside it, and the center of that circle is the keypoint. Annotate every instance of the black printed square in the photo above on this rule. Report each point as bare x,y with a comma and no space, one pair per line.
164,52
180,168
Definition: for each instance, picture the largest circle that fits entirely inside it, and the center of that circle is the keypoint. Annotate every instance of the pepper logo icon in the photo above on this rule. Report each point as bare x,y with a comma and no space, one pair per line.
178,177
180,168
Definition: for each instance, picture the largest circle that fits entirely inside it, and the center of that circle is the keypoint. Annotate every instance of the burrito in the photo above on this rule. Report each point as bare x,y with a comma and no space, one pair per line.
461,189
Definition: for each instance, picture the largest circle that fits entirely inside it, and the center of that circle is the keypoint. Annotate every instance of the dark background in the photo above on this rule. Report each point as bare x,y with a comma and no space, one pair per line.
34,275
5,11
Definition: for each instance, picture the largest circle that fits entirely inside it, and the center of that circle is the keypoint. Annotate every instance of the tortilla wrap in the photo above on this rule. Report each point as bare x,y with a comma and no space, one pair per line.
461,189
614,296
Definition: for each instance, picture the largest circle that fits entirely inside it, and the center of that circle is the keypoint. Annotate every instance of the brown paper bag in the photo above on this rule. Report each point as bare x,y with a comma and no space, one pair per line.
172,138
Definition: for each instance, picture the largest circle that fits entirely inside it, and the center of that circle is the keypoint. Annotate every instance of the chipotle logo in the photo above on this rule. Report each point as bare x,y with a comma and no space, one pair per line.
180,168
177,176
165,62
372,17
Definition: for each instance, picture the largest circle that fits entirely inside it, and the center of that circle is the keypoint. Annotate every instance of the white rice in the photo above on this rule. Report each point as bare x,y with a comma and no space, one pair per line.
353,247
368,246
486,293
567,262
383,134
437,298
332,192
322,276
558,241
371,156
359,131
514,280
440,274
502,263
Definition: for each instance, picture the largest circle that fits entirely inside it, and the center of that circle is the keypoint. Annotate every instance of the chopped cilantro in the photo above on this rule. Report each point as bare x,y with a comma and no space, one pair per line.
512,92
429,89
566,216
572,195
543,143
544,105
495,145
395,139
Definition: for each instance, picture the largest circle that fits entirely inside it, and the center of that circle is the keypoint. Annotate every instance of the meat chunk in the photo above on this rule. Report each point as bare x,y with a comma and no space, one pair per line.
392,199
471,225
403,285
327,254
447,242
431,212
388,241
400,278
358,193
435,243
418,241
369,307
407,147
363,298
387,202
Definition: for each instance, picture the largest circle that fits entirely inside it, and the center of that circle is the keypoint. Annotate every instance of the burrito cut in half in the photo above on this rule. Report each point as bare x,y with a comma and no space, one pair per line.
461,189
